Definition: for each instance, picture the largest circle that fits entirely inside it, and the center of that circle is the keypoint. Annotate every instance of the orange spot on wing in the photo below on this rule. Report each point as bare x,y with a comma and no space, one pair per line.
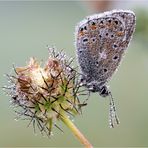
120,33
81,33
93,27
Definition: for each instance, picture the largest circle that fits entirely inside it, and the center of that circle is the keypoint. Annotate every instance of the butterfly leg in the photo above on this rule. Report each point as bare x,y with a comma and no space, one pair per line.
113,118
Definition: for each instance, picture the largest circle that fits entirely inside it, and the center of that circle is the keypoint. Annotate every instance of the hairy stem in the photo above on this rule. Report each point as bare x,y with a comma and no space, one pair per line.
76,131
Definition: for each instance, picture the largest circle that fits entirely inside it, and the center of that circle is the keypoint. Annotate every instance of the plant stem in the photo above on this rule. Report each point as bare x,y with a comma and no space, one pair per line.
76,131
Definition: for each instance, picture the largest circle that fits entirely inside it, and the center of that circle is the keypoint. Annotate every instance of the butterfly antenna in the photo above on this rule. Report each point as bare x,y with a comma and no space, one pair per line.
113,118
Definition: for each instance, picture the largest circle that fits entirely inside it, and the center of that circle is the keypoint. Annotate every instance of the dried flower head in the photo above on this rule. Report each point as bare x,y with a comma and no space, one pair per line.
45,94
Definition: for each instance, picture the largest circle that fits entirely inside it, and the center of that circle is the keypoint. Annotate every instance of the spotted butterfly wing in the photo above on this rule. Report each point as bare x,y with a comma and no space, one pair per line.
101,41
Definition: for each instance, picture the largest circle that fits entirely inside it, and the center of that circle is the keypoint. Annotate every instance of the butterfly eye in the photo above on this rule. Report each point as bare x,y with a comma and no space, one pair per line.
104,91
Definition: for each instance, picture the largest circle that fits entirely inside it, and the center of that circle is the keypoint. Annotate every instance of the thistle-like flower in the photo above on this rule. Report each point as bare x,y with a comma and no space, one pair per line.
45,95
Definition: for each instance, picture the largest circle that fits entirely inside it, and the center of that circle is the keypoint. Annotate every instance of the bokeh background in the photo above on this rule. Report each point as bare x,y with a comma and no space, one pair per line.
25,30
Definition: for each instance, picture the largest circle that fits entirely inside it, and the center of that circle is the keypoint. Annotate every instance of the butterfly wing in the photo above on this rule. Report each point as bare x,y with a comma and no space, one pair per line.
101,41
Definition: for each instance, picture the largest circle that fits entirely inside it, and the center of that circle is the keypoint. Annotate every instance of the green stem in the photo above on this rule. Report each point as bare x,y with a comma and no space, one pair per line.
76,131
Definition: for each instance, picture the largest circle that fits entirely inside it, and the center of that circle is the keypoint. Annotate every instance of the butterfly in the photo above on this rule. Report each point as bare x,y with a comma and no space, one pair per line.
101,41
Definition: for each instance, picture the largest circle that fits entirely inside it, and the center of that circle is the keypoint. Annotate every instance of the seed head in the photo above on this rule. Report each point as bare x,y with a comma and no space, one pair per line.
45,94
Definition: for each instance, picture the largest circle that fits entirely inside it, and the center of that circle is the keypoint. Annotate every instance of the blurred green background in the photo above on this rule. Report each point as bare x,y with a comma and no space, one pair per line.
25,30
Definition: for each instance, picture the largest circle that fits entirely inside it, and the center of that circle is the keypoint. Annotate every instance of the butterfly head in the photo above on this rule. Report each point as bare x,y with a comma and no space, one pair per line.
96,87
